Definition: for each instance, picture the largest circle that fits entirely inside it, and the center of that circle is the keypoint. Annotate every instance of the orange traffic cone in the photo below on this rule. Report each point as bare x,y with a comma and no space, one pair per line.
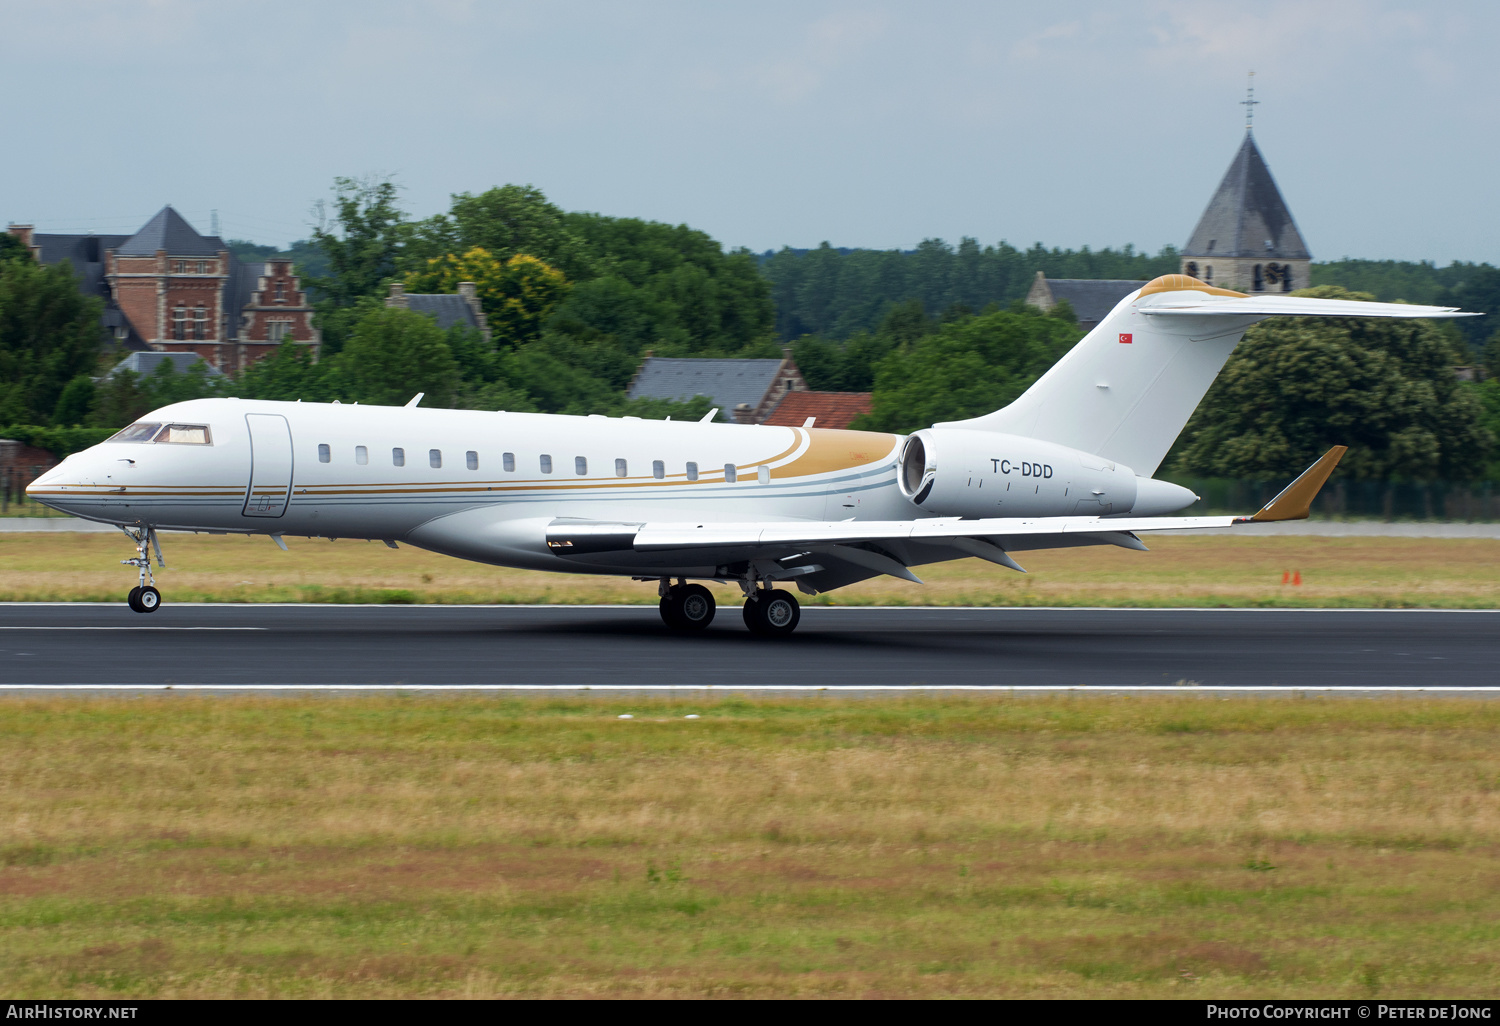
1286,577
1297,578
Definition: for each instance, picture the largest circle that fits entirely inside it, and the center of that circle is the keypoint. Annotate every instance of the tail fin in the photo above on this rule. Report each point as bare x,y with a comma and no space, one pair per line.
1126,391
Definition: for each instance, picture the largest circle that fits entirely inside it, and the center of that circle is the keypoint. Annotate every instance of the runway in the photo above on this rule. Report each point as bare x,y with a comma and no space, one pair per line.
850,647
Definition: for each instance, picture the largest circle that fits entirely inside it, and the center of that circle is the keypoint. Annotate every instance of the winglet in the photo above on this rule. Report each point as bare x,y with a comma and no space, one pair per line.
1295,500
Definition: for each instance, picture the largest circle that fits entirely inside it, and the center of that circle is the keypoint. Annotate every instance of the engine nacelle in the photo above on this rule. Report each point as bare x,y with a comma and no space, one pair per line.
958,473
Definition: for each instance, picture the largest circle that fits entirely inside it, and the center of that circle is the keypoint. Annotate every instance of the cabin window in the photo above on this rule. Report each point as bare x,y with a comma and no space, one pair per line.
580,465
658,469
621,469
508,461
361,455
546,464
731,475
471,460
763,475
435,458
142,431
692,471
324,452
398,457
184,434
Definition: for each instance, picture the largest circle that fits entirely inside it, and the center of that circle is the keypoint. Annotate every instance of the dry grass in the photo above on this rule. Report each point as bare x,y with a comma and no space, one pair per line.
1192,571
919,847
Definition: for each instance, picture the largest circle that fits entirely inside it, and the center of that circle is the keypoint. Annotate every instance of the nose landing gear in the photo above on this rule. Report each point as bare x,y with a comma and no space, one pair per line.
144,598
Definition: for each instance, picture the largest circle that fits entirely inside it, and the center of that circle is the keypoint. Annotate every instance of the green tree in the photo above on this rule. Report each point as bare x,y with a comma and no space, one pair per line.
362,241
12,249
1487,394
504,221
835,293
392,354
124,396
49,335
288,374
75,403
1296,386
518,294
687,295
965,368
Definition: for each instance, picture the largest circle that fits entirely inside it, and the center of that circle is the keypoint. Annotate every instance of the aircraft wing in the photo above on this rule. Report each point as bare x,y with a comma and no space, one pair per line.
831,553
1289,306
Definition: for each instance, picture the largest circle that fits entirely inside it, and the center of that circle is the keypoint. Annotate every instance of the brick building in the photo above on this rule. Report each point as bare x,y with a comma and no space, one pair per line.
168,289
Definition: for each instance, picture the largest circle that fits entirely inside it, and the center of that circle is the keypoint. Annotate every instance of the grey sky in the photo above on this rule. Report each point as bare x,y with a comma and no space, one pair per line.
866,124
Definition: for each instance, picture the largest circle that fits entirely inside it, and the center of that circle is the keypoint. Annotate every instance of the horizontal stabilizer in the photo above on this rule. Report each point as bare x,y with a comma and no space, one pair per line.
1185,304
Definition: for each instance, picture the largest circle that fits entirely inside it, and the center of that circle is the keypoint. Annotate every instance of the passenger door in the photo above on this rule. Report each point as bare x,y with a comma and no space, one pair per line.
270,465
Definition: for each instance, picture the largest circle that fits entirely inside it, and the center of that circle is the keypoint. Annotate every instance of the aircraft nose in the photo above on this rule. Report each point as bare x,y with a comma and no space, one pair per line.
45,481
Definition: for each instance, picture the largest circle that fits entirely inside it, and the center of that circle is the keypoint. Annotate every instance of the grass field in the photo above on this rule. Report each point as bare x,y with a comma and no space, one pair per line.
1191,571
920,847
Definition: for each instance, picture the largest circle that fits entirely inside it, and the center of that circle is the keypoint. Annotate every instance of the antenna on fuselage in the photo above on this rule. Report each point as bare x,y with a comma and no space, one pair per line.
416,399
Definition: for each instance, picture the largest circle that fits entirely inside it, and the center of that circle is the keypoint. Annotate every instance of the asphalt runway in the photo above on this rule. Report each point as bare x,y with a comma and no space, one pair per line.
250,645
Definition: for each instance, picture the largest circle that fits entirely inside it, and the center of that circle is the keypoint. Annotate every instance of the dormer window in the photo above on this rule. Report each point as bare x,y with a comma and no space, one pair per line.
1211,244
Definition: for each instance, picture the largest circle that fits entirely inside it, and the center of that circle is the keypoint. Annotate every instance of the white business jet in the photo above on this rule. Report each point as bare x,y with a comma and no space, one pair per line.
1068,463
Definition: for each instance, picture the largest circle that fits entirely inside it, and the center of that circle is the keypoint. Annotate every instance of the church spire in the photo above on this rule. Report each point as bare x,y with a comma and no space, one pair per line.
1246,237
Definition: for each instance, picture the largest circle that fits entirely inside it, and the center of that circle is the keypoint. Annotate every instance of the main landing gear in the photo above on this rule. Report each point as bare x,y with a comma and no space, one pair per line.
144,598
686,607
768,612
771,613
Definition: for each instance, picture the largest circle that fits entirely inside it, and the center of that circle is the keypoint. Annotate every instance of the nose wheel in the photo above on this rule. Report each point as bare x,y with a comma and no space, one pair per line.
144,598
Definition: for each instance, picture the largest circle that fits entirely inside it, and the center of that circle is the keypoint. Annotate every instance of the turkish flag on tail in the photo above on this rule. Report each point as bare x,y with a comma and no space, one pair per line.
1125,339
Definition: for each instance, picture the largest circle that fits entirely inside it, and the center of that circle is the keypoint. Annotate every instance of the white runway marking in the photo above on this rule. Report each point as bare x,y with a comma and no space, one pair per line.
436,607
724,688
142,627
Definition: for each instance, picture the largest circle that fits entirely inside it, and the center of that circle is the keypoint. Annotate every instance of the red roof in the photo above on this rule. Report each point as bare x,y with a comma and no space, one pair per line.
832,409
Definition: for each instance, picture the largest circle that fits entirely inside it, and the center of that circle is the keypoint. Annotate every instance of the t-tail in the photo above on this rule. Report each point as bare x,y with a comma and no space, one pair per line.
1127,389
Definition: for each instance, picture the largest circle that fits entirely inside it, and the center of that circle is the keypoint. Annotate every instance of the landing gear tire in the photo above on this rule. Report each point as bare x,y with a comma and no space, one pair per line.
133,599
694,606
772,614
688,607
145,600
668,610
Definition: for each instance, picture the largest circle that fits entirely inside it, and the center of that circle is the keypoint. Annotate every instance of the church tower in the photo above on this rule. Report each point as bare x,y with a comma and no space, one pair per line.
1246,239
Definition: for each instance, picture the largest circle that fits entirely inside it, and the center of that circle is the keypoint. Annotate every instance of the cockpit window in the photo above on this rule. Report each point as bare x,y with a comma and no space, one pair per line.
184,434
141,431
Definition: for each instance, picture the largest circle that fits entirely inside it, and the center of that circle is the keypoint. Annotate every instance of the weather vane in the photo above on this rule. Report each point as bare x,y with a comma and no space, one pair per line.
1249,102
